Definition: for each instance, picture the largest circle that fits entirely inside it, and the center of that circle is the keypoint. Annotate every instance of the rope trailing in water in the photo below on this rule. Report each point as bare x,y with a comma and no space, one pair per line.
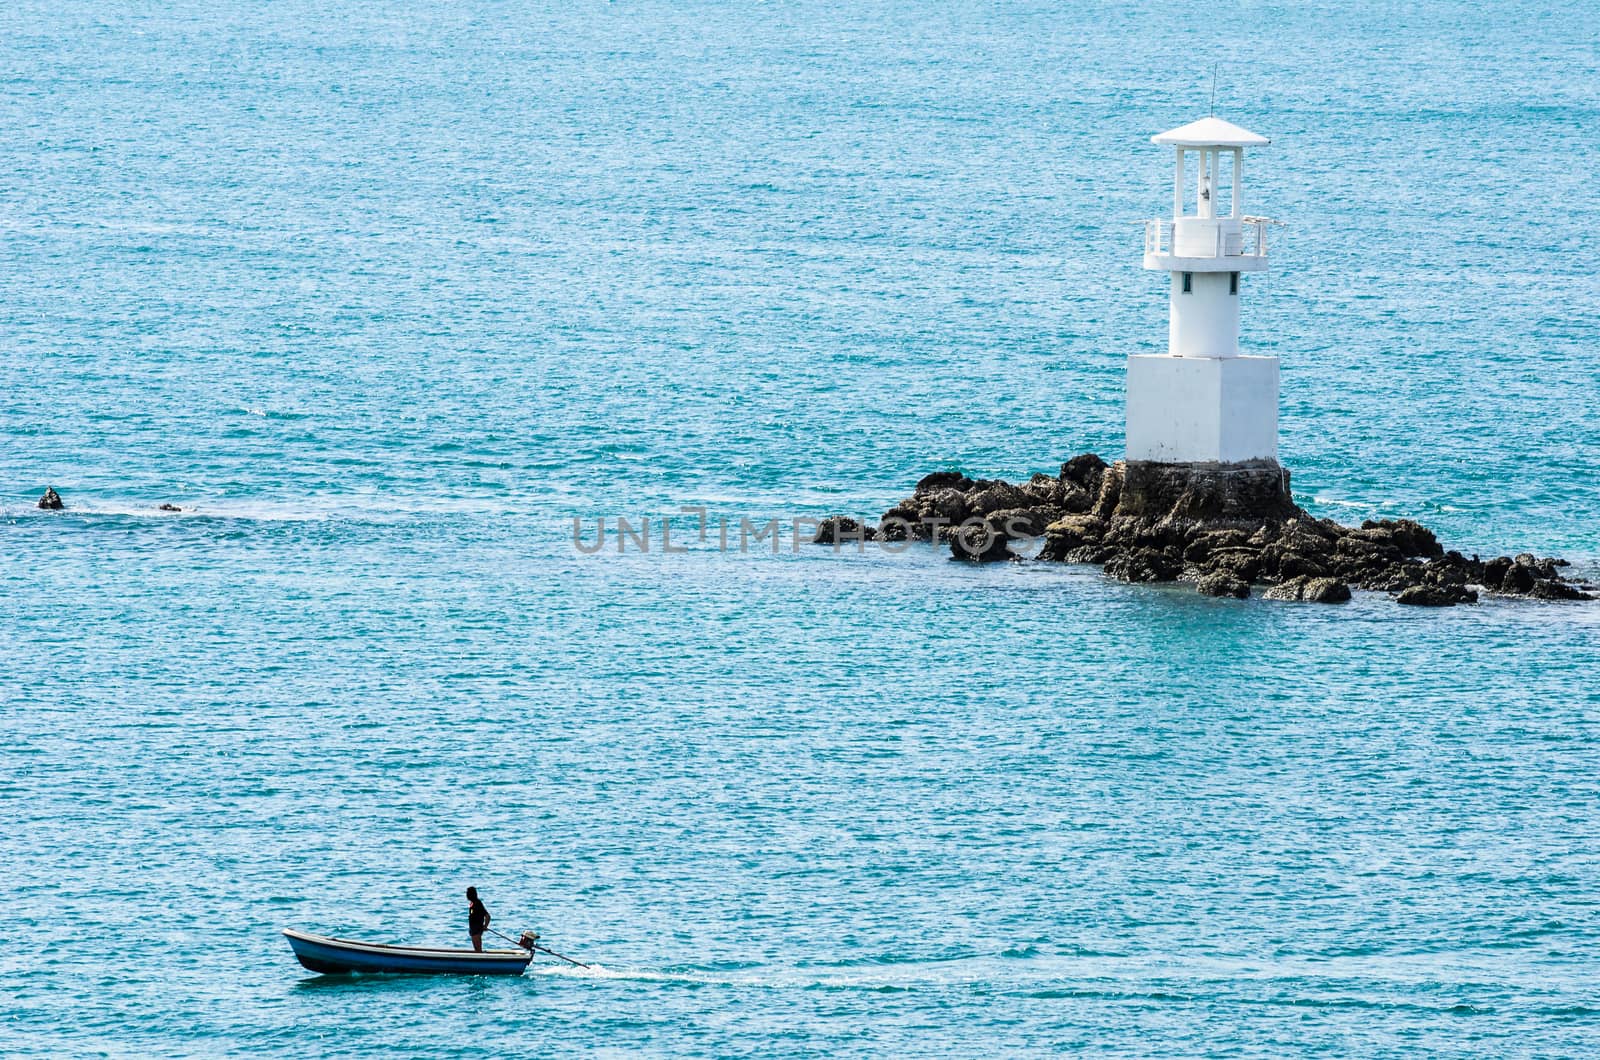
541,949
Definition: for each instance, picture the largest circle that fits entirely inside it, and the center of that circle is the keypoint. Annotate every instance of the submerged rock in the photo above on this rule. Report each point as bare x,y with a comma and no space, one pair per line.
51,501
169,508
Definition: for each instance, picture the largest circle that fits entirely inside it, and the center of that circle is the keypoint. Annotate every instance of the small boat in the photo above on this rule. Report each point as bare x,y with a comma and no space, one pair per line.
332,956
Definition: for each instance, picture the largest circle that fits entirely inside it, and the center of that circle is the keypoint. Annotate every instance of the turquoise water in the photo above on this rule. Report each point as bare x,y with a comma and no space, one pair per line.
384,298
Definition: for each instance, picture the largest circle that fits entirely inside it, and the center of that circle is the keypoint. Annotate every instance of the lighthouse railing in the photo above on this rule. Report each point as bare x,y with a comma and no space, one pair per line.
1255,241
1249,240
1158,236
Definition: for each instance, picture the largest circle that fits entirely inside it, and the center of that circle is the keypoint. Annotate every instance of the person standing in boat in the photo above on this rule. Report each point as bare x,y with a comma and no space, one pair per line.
477,918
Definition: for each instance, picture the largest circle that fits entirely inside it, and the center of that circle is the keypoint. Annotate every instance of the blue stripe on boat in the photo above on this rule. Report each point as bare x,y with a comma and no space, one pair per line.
332,956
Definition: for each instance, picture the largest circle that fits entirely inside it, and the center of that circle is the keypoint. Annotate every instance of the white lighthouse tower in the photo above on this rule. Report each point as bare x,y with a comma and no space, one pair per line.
1201,401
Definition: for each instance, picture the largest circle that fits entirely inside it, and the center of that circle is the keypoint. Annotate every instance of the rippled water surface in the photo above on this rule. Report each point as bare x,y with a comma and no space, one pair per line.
384,295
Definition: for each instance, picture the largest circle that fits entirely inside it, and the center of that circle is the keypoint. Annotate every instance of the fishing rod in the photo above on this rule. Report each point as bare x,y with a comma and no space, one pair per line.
526,942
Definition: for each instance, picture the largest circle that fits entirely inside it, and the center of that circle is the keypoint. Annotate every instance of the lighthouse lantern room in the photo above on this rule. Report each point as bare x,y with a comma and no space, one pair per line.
1201,401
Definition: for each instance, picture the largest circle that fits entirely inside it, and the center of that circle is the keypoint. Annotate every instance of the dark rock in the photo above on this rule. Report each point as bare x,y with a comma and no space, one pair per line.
1305,532
836,530
1443,571
1296,542
942,480
1071,532
1294,565
903,522
1202,545
1519,579
1085,472
1551,589
976,541
1241,563
1332,529
997,497
1044,491
1109,493
1436,596
1143,565
1325,591
1368,549
1166,535
1220,583
51,501
1287,590
1471,569
951,505
1392,578
1073,498
1020,522
169,508
1411,538
1310,590
1091,554
1284,562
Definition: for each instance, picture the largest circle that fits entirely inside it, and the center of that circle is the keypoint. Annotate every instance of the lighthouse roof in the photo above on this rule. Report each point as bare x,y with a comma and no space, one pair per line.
1210,132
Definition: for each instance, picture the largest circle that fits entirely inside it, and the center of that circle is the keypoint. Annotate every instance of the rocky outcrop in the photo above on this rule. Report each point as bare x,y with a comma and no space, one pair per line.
51,501
1224,527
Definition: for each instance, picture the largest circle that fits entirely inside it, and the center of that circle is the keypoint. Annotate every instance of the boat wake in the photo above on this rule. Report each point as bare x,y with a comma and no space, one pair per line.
1396,980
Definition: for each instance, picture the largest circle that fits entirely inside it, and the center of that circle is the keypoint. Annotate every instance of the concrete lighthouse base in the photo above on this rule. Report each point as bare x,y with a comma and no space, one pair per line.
1193,410
1239,494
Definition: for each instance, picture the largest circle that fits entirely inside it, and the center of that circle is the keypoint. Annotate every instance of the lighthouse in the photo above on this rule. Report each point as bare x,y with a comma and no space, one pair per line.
1202,402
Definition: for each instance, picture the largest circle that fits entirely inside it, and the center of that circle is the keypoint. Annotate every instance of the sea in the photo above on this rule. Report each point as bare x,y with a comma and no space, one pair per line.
398,301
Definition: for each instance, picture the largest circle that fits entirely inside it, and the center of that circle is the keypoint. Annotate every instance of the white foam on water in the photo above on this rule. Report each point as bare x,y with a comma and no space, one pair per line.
1337,502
